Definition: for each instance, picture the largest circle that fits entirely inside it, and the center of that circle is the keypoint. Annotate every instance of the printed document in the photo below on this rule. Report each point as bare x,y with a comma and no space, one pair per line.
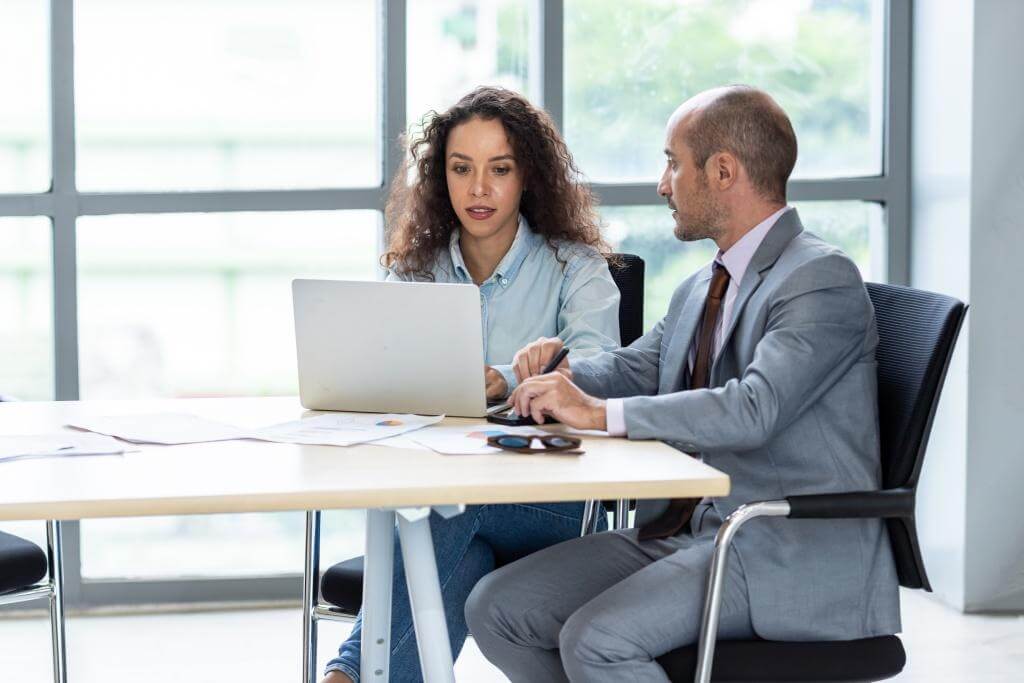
344,429
60,445
470,439
329,429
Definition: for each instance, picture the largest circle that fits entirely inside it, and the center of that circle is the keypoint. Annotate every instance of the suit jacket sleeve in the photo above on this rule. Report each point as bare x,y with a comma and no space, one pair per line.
819,323
629,371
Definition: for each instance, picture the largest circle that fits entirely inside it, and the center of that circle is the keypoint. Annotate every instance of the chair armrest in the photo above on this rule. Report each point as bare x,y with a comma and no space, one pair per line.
853,505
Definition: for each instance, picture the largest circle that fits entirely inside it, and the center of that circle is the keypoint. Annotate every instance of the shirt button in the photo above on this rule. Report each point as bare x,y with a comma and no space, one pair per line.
504,281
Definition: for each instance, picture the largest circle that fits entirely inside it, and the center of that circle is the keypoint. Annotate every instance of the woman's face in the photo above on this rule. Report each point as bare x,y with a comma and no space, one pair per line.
484,181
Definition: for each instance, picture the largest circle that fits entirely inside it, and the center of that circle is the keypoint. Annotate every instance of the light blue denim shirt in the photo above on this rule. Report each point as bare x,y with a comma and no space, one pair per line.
532,294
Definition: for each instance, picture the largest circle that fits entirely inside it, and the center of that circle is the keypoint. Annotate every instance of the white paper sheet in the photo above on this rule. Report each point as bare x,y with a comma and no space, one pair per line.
59,445
344,429
330,429
468,439
161,428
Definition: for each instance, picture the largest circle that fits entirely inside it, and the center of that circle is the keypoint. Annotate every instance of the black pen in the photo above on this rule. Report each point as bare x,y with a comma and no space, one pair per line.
550,367
559,357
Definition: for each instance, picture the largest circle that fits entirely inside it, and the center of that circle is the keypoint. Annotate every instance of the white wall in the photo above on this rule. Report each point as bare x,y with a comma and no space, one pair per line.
968,241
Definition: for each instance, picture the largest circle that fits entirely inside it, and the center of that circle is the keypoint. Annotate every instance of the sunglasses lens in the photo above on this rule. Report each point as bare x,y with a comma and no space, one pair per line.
559,442
513,442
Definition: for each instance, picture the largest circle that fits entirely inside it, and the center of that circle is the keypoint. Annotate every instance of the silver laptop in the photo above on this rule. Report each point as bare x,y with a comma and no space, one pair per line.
389,347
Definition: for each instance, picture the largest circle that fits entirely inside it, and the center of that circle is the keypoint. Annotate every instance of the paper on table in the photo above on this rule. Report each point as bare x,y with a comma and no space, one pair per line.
161,428
330,429
464,439
344,429
61,445
400,441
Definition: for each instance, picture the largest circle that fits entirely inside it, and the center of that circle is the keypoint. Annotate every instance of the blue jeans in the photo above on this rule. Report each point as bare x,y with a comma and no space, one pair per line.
466,547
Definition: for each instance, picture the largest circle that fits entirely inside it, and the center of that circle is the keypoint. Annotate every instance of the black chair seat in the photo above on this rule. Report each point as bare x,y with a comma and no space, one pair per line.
22,563
870,659
342,585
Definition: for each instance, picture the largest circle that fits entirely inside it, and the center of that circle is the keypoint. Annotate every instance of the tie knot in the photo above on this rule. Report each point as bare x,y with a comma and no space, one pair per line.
719,281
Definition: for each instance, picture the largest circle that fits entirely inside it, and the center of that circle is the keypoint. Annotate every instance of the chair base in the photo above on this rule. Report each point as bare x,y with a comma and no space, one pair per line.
764,661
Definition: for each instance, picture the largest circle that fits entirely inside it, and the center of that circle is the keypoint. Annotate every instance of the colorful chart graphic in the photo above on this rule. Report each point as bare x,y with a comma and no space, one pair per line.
484,434
389,423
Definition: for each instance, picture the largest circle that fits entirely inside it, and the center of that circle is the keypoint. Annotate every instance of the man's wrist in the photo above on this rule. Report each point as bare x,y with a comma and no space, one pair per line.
600,415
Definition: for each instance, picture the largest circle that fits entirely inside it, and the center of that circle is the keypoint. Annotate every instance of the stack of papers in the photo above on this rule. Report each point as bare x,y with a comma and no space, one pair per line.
163,428
62,445
331,429
465,439
344,429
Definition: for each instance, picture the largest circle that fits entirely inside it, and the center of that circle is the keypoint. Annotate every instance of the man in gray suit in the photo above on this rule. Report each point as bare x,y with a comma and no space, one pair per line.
764,367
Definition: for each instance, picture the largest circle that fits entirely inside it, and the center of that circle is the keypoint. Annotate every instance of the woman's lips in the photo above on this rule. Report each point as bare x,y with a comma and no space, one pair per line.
480,214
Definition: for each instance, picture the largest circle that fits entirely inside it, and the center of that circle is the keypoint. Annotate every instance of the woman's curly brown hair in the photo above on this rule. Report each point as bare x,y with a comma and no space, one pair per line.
420,217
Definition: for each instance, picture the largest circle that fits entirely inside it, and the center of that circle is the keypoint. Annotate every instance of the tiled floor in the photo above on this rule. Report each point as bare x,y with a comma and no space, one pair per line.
263,646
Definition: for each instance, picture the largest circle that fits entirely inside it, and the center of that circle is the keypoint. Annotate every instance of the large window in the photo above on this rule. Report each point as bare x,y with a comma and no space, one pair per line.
822,61
167,167
24,138
226,94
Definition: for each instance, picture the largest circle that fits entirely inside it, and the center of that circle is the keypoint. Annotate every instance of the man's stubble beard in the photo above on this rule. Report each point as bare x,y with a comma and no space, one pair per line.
707,222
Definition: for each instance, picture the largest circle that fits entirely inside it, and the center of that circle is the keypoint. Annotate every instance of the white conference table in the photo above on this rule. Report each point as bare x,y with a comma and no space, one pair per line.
256,476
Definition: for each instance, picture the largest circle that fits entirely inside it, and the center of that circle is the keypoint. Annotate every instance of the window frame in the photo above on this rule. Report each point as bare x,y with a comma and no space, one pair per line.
63,204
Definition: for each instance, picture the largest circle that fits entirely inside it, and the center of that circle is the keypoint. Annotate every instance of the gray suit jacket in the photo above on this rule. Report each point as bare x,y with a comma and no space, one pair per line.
792,409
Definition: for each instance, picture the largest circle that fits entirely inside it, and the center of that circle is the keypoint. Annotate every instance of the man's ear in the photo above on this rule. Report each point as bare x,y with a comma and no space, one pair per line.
725,170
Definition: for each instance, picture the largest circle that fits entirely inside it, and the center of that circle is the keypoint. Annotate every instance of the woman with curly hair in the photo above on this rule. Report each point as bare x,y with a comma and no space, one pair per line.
495,201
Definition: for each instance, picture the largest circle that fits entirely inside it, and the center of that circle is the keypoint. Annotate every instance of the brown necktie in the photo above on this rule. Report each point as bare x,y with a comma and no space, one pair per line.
679,510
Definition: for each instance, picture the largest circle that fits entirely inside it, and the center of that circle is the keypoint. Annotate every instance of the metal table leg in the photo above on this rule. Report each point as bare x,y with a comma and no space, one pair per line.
378,570
55,557
425,596
310,596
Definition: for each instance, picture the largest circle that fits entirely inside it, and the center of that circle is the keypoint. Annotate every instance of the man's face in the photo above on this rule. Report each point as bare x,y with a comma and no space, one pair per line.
697,212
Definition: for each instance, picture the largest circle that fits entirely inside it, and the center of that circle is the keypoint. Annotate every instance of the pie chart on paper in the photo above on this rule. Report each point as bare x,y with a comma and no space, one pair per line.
484,434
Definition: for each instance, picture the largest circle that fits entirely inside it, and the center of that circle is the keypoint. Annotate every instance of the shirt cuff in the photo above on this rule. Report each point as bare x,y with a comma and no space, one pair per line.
510,377
615,416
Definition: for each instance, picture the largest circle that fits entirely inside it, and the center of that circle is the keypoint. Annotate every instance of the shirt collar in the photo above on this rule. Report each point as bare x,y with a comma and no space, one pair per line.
509,265
738,257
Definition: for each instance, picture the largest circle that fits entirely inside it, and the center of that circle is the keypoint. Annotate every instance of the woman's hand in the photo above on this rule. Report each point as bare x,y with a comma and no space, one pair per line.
496,385
532,358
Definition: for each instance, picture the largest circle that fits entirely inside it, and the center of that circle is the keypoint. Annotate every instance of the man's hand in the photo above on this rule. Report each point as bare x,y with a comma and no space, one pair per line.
532,358
555,394
496,385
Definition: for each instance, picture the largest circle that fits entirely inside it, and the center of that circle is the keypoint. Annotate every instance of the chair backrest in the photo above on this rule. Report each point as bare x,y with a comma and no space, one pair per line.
917,333
628,272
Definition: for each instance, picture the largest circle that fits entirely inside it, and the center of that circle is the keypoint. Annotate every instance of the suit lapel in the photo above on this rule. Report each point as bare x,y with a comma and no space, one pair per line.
781,234
686,327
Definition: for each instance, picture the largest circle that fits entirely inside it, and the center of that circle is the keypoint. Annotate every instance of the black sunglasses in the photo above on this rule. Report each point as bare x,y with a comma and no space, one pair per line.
523,443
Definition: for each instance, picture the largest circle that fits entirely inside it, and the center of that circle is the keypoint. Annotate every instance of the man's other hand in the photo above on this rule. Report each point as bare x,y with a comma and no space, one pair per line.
554,394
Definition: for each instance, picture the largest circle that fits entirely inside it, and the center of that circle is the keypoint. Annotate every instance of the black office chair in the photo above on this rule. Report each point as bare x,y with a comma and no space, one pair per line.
342,584
23,566
917,331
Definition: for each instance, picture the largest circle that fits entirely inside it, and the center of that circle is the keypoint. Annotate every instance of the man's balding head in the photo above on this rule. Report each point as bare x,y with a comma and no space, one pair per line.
747,123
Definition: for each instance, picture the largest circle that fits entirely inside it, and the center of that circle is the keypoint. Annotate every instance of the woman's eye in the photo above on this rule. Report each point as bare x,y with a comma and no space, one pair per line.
502,170
461,169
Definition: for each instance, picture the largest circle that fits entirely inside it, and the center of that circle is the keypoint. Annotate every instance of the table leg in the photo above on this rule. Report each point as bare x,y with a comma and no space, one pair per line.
310,596
425,596
378,570
55,556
